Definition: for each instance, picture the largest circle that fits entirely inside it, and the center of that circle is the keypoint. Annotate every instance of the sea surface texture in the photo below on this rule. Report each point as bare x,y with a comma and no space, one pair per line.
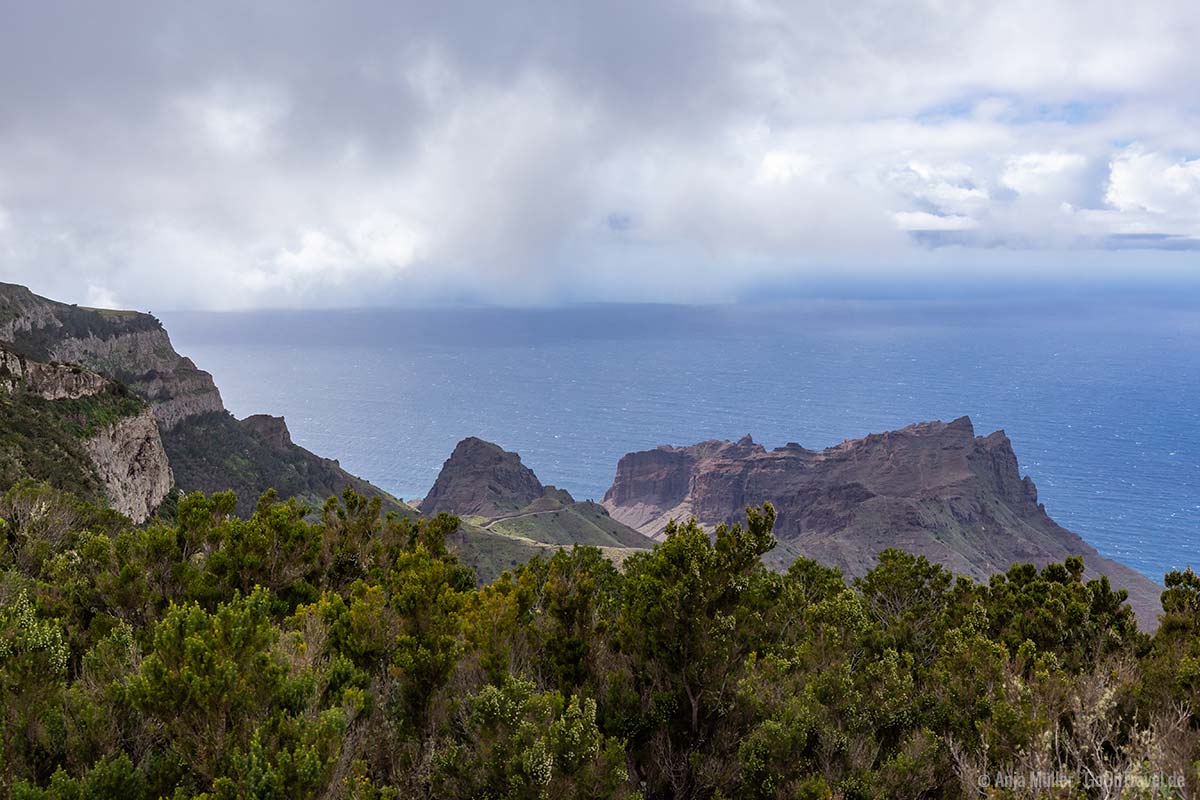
1101,397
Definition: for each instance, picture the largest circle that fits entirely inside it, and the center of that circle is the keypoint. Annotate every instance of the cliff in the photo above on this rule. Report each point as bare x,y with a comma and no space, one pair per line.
933,489
215,452
126,346
132,463
48,381
208,450
82,433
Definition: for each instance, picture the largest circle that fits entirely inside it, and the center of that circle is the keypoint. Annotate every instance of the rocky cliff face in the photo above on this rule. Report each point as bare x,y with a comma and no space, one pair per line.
145,360
48,381
272,430
208,449
126,455
132,463
934,489
127,346
22,313
482,479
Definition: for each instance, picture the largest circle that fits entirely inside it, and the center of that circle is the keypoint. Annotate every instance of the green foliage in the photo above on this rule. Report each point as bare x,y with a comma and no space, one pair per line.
84,417
110,777
208,678
213,452
517,744
693,610
274,655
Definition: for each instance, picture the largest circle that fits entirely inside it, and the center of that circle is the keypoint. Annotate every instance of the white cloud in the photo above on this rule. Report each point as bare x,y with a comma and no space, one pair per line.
782,166
370,249
1054,173
924,221
317,254
101,297
1144,181
237,122
386,239
950,189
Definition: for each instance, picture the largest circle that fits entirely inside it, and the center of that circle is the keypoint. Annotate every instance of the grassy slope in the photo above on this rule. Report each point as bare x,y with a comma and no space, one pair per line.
581,523
490,553
508,543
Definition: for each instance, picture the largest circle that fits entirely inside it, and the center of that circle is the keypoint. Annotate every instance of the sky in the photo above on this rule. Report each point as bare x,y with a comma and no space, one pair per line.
322,154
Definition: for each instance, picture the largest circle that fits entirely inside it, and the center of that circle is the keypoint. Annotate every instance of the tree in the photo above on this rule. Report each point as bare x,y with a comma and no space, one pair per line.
33,672
517,744
211,678
692,611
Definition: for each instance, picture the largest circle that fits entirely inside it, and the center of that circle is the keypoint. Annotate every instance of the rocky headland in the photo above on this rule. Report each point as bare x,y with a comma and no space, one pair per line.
101,400
208,450
933,489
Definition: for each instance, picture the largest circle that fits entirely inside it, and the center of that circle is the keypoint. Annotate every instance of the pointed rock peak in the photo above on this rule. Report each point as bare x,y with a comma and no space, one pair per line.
746,440
482,479
996,439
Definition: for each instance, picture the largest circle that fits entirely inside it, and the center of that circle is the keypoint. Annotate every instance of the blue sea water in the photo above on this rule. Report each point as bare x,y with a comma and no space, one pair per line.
1100,397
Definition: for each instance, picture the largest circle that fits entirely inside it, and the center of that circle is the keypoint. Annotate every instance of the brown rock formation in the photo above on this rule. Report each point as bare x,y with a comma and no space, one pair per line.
272,430
48,381
933,489
482,479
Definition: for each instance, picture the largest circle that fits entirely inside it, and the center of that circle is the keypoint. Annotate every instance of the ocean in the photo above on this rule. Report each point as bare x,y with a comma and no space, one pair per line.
1099,395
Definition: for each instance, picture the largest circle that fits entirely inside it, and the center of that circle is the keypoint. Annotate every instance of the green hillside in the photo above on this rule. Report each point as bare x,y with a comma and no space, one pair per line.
489,554
580,523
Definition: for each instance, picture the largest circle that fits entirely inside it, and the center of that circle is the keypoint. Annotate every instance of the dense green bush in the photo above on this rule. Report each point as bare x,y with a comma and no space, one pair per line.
348,654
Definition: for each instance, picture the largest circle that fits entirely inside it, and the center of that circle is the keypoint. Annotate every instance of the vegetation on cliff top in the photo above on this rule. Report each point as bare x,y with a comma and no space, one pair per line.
354,656
73,322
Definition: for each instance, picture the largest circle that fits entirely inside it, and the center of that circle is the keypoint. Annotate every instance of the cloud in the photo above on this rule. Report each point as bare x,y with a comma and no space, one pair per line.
236,122
1043,173
101,297
924,221
782,166
1156,184
218,155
